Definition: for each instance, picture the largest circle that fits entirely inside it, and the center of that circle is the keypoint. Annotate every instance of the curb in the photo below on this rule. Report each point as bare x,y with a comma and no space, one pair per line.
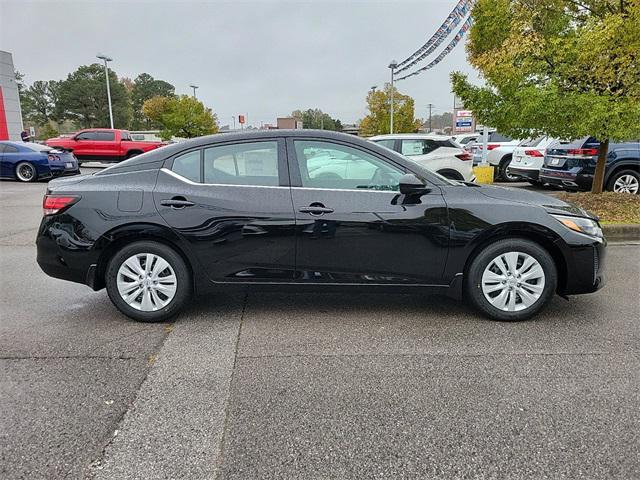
622,232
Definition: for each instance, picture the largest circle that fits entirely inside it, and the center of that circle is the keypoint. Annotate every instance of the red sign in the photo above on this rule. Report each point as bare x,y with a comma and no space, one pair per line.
241,118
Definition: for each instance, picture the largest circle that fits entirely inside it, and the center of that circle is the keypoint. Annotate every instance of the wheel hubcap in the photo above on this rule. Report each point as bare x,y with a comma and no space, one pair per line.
626,184
147,282
513,281
25,172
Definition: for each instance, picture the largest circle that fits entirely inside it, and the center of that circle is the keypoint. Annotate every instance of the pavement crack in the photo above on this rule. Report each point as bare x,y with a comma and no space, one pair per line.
69,357
223,437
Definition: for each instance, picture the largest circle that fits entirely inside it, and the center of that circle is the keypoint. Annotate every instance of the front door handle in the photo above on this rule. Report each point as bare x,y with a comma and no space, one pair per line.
316,209
177,202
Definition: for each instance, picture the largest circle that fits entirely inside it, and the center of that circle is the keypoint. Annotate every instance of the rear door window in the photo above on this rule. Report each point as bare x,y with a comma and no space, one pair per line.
498,137
188,166
413,147
254,163
105,136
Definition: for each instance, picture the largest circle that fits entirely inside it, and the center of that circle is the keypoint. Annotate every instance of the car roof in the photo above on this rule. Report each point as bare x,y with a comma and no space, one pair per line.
418,136
159,155
11,142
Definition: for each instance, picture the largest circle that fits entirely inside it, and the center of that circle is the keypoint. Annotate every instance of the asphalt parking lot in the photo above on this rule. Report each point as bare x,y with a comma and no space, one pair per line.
306,386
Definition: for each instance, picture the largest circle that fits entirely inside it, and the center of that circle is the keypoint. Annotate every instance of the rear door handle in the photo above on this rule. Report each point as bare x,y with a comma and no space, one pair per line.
177,202
315,210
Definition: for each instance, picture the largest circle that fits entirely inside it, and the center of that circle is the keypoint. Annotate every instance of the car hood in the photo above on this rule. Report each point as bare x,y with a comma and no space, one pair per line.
550,203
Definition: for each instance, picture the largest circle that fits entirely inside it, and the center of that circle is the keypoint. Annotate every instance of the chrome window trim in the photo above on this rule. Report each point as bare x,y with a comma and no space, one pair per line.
191,182
396,192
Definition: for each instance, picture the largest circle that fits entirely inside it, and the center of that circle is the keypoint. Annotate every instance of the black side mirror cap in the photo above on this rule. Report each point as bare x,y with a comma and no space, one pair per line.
412,185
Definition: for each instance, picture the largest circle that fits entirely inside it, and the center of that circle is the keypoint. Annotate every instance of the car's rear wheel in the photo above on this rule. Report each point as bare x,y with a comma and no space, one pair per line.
26,172
625,181
511,279
503,171
132,154
148,281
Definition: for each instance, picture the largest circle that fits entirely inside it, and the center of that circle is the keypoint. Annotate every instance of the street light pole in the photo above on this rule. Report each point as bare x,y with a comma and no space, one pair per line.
194,90
393,65
106,74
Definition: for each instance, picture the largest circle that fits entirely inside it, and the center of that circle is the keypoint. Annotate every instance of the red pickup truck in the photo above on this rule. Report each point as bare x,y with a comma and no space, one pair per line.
102,144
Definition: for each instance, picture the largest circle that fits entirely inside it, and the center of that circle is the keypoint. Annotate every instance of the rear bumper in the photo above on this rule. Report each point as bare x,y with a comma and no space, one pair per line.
64,256
566,179
527,174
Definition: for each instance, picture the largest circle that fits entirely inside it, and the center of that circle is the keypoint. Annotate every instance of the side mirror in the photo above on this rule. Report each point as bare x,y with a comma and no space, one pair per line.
412,185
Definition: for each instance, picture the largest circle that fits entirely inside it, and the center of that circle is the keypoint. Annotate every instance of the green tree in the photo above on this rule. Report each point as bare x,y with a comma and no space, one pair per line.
182,116
377,122
146,87
316,119
565,68
82,98
39,102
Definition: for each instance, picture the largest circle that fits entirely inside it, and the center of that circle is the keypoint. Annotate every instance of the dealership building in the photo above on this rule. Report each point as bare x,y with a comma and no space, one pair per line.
10,113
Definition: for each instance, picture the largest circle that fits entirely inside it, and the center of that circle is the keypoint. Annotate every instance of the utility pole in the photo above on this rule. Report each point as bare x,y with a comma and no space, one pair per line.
393,65
430,107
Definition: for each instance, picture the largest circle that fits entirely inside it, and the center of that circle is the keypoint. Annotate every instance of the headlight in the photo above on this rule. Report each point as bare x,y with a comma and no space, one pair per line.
583,225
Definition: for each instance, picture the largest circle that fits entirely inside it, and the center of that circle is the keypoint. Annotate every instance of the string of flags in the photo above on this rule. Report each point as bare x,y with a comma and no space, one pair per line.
451,22
465,27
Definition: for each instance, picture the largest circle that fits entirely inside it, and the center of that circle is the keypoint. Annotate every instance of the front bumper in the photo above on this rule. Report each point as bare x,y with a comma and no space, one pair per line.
586,272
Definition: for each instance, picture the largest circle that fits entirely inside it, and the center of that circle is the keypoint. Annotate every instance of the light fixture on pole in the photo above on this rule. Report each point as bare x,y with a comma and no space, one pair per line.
106,74
393,65
373,88
431,105
194,90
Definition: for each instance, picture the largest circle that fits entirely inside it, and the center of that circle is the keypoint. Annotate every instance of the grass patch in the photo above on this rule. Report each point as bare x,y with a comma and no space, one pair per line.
611,207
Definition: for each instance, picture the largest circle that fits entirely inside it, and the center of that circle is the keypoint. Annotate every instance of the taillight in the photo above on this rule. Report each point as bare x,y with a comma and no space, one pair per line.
583,151
491,146
465,156
52,204
534,153
52,158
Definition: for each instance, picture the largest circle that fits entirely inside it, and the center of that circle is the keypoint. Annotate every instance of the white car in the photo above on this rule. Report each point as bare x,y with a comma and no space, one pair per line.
438,153
465,139
528,158
499,152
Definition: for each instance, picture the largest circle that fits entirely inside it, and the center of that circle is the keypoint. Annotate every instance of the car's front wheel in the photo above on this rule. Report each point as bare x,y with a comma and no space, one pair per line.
511,279
148,281
26,172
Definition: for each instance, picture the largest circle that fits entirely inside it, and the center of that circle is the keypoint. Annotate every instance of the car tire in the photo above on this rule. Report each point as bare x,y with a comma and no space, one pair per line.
498,292
503,173
161,290
627,181
132,154
26,172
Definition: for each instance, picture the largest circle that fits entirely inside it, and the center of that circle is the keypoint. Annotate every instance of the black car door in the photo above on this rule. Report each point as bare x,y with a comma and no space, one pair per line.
232,203
352,224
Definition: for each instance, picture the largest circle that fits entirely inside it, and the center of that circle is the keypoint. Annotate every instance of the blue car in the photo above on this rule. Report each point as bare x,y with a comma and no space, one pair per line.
29,162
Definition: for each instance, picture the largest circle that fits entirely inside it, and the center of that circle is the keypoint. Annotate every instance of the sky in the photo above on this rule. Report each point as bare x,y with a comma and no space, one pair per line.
260,58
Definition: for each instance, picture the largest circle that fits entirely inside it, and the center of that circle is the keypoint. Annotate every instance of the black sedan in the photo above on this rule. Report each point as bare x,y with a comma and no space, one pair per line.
309,210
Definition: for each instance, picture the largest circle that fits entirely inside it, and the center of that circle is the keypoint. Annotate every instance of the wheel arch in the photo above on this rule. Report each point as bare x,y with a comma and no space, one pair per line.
111,242
622,165
544,237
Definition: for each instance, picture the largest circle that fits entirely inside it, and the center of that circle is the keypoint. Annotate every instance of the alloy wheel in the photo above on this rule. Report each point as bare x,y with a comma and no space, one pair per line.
513,281
25,172
626,184
147,282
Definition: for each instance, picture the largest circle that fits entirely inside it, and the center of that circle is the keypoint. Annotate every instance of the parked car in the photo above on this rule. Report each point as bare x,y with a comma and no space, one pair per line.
245,210
571,165
28,162
499,153
464,139
528,158
103,145
436,152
